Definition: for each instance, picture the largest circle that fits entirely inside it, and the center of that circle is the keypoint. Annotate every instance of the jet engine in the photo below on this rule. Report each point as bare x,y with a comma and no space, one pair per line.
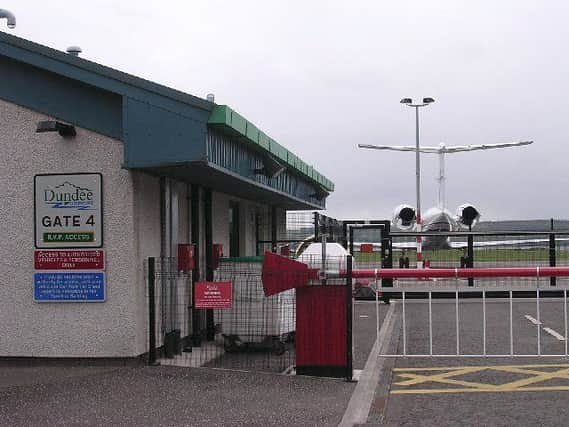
404,217
467,215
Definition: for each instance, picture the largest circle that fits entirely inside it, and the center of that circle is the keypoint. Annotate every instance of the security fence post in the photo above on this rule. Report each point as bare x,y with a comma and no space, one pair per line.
316,226
552,258
151,311
349,326
470,257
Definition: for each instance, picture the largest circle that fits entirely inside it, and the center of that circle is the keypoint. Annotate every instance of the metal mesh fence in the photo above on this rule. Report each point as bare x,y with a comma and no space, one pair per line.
490,250
299,225
451,250
169,296
299,230
255,333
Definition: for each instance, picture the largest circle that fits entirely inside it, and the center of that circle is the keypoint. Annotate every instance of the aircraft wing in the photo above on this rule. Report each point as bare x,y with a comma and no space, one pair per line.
459,148
461,245
400,148
507,243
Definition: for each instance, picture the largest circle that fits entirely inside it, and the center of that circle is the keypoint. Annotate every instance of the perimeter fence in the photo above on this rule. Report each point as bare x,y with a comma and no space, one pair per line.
473,323
256,332
484,249
252,332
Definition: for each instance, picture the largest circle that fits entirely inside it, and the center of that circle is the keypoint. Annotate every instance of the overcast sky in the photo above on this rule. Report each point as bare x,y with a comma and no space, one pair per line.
322,76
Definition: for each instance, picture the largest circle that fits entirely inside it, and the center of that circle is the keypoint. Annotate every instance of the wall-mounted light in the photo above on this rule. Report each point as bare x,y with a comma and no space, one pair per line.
320,193
271,168
55,126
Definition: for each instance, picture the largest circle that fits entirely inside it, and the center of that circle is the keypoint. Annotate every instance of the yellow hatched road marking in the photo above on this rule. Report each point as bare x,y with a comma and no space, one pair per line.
474,390
448,368
447,375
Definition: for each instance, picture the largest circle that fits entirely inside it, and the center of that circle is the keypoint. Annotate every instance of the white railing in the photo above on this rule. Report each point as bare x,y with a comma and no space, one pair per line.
431,286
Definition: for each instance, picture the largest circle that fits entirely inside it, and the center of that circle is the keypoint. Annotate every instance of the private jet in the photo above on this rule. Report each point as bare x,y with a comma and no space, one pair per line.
438,218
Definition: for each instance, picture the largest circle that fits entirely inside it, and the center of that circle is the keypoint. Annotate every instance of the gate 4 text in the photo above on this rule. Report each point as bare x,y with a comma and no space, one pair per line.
66,221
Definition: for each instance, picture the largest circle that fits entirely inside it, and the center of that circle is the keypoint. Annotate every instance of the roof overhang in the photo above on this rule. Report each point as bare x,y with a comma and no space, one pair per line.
232,124
222,180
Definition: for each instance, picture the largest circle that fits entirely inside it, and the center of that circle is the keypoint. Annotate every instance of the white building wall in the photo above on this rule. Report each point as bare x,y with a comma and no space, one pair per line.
146,216
131,227
107,329
220,219
247,212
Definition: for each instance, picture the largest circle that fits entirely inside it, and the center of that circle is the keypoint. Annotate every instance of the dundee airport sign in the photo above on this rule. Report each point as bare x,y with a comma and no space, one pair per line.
68,210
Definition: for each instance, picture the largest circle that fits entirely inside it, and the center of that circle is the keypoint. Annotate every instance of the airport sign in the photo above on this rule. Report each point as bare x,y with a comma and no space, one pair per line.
68,210
65,286
78,259
213,295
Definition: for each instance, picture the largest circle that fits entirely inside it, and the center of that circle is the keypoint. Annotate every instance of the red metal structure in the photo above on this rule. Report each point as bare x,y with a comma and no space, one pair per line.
323,314
280,274
322,331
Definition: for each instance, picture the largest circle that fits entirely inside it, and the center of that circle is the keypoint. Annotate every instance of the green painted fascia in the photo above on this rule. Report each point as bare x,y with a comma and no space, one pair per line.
220,115
278,150
252,133
239,123
230,122
264,141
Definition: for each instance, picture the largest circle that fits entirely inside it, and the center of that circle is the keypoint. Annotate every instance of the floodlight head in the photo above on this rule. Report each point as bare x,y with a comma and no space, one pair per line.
428,100
406,101
55,126
9,17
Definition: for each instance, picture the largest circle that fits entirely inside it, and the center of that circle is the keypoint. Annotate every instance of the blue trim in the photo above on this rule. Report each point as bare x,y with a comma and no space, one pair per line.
68,100
164,131
154,135
89,72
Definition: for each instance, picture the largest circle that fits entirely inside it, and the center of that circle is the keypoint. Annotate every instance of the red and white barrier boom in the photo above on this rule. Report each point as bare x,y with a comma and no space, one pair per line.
280,273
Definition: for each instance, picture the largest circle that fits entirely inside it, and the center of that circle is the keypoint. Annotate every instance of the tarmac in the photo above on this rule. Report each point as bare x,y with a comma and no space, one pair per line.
411,391
59,394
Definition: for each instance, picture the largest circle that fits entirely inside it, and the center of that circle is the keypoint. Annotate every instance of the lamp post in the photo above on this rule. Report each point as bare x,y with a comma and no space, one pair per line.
409,103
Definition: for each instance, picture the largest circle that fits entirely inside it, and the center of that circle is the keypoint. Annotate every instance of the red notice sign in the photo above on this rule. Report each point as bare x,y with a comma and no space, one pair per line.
69,260
213,295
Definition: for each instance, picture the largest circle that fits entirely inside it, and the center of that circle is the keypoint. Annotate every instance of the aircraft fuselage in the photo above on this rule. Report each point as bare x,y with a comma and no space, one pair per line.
437,220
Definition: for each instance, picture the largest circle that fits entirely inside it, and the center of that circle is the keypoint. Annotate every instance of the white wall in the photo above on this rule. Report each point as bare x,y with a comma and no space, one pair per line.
247,210
35,329
131,221
220,214
146,216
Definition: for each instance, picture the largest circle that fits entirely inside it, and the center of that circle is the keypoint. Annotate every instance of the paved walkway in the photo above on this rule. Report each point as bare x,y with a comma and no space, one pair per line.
177,396
167,396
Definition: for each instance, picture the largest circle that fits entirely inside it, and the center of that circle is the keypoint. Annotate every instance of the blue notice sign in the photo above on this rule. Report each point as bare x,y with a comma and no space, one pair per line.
69,287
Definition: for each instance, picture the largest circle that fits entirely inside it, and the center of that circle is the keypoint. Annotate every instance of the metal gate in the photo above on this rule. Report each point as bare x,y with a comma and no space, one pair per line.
509,312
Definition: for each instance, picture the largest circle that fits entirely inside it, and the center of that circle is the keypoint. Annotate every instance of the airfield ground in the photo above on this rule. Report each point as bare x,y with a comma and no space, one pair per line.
406,391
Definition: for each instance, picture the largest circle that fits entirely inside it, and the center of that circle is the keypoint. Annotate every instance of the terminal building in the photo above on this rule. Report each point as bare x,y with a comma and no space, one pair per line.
101,170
